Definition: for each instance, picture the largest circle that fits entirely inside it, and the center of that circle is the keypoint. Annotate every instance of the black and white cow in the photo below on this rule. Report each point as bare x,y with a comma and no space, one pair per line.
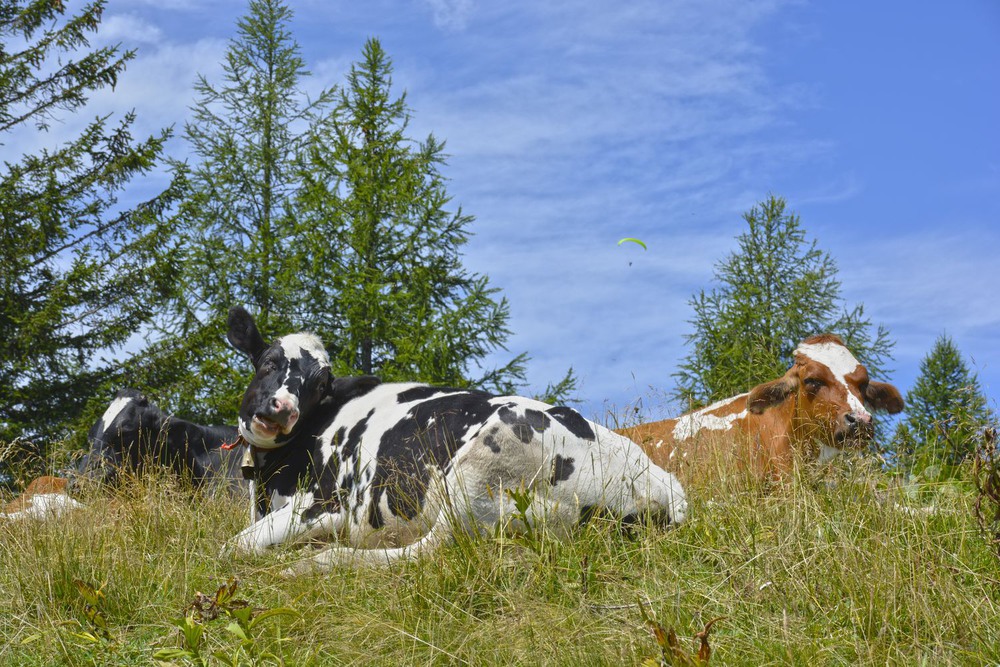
133,433
387,471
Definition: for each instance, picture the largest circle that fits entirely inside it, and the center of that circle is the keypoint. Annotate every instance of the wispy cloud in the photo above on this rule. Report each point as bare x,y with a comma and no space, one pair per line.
128,27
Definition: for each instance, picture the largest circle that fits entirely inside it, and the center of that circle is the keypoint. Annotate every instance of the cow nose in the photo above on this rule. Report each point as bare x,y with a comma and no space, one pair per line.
856,420
279,411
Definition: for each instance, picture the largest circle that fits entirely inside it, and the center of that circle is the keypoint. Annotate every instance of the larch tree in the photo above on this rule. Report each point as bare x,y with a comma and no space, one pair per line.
775,290
241,243
389,292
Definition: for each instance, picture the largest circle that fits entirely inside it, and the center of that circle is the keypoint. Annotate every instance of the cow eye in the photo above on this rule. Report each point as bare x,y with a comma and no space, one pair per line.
813,384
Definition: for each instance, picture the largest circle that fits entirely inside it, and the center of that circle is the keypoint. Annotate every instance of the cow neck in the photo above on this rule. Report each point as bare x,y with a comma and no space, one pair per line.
193,437
275,457
261,473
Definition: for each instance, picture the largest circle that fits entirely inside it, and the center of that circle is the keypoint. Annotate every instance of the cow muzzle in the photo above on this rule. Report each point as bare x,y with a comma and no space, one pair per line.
279,417
855,428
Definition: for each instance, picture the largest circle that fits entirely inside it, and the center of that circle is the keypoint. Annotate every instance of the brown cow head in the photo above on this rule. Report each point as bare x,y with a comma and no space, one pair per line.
832,396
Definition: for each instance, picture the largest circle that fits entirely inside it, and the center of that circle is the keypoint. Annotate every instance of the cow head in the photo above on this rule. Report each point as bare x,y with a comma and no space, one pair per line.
292,375
116,439
832,395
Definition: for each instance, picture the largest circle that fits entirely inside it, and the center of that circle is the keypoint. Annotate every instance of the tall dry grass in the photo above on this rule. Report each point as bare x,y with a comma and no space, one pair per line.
836,566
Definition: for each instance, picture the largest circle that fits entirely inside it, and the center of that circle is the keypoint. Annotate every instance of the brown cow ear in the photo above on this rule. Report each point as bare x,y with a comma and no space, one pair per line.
770,394
884,397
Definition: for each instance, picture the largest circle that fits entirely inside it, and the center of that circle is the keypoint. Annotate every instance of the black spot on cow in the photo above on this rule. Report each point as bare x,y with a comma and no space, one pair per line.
286,469
562,468
524,426
590,512
507,416
350,446
536,419
573,421
328,497
375,519
490,441
522,431
427,436
416,394
338,437
346,389
424,392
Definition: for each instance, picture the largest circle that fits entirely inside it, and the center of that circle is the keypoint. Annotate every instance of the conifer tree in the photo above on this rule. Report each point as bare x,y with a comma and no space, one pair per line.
946,409
389,291
775,290
241,243
78,274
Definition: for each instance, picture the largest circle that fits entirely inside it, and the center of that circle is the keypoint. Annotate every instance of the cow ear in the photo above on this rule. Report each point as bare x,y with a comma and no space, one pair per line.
347,388
770,394
884,397
244,335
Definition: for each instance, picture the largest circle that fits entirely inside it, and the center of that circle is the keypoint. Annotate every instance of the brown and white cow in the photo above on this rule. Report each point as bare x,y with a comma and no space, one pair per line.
45,497
819,408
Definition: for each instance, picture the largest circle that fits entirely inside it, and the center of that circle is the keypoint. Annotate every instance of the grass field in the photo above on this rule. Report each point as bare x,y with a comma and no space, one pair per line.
832,568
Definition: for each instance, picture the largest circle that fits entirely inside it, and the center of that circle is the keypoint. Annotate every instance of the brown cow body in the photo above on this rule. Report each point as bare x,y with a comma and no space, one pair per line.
44,497
818,409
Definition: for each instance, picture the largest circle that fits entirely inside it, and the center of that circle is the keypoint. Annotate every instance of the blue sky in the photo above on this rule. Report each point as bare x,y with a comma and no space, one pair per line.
573,124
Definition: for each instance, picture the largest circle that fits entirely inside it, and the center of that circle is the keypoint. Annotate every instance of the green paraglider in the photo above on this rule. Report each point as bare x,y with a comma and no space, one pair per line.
629,238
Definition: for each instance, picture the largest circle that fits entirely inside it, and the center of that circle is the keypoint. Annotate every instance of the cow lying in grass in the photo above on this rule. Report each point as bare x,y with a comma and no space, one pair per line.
44,497
387,471
819,408
133,434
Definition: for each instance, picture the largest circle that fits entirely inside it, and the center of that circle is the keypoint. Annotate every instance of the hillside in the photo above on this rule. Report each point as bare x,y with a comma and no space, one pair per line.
837,566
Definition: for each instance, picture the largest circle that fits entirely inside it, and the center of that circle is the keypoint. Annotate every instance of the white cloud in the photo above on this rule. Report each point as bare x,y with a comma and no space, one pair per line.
173,5
929,280
590,123
128,28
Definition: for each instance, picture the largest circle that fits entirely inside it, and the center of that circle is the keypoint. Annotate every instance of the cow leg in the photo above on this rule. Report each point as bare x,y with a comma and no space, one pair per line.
284,525
437,508
328,558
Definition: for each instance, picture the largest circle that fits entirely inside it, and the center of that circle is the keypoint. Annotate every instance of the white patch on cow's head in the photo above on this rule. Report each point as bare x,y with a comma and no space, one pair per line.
841,363
689,425
113,411
295,346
